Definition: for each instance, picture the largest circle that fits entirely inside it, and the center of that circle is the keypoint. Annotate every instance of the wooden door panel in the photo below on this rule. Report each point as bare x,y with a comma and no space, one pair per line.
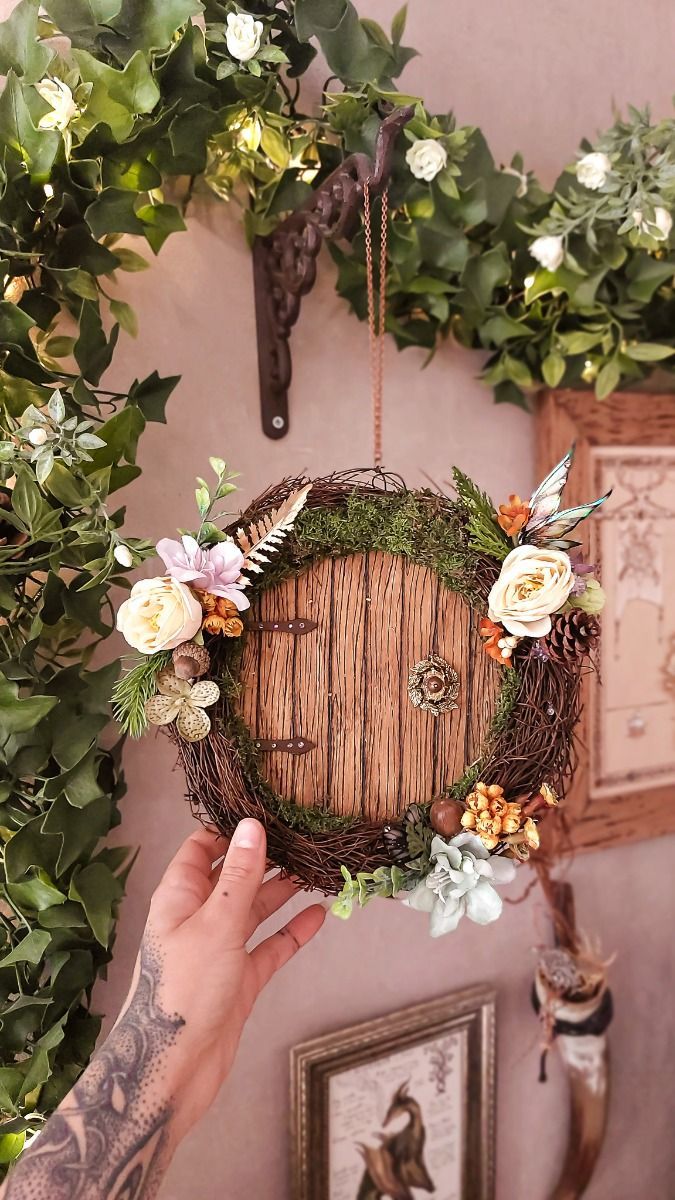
344,685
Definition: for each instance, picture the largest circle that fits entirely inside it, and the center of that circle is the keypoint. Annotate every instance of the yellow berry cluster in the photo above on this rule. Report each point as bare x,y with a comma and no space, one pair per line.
495,819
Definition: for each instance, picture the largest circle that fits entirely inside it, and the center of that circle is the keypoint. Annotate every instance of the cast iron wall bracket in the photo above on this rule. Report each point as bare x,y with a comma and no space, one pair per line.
284,264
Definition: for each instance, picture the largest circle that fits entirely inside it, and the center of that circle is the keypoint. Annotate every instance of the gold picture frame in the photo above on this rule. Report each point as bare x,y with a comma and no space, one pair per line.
432,1066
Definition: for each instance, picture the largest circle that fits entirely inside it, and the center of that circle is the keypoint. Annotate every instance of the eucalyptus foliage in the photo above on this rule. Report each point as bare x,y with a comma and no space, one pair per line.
112,113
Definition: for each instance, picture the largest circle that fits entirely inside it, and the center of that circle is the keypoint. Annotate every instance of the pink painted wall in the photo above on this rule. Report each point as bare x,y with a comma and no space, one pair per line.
536,77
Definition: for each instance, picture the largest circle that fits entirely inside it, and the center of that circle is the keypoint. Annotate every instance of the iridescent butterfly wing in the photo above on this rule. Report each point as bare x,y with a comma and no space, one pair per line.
546,500
553,531
548,526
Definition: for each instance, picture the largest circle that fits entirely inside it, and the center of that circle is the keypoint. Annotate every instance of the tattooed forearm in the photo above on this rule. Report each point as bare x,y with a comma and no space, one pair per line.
108,1141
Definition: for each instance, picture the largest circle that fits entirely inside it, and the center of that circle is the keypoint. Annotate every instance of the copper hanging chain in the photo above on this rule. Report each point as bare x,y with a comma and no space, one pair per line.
376,318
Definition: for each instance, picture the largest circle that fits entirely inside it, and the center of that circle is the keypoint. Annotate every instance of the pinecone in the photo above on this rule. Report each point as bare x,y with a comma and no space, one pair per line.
190,660
396,843
574,635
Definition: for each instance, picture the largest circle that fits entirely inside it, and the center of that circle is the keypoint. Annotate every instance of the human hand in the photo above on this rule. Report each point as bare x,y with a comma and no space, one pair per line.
200,922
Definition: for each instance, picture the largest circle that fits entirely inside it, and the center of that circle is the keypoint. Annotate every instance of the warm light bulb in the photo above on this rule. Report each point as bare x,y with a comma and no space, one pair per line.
529,280
49,191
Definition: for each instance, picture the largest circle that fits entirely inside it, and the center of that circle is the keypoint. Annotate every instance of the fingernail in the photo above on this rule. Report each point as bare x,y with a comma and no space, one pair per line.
247,835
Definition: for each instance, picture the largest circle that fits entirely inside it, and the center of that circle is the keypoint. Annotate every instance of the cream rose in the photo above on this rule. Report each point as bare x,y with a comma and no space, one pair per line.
243,35
160,614
426,157
534,582
592,170
548,250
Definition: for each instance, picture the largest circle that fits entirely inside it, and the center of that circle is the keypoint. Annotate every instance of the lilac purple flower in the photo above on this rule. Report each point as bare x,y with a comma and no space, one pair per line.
215,569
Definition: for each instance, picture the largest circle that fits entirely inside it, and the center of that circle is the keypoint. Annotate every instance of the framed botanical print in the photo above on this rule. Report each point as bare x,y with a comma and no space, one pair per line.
624,786
399,1107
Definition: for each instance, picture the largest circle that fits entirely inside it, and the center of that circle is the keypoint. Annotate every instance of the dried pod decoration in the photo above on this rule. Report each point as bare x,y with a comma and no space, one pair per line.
446,817
433,685
190,660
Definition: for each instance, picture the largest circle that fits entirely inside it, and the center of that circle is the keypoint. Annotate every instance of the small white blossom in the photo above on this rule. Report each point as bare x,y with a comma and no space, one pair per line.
37,436
659,228
60,98
461,884
243,35
522,186
426,157
549,251
593,169
123,555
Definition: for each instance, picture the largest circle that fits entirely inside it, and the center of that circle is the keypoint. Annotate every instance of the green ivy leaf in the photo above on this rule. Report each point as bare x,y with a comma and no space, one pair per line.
144,25
98,891
20,50
348,50
28,148
117,97
30,949
113,212
159,220
37,893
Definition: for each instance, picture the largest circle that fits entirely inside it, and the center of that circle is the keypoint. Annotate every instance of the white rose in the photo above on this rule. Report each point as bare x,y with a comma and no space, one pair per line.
59,96
549,251
659,228
159,614
426,157
593,169
534,582
243,35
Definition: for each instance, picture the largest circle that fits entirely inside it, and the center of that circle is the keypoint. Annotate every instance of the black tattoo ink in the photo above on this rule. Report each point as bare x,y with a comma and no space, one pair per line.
107,1141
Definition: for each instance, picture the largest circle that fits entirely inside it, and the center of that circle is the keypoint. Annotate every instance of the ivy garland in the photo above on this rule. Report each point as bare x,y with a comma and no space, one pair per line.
109,120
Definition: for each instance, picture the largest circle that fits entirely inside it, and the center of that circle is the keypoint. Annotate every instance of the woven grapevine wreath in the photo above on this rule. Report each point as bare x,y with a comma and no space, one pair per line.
532,600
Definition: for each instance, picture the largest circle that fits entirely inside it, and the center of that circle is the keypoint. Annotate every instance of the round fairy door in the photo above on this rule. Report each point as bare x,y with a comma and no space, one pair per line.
364,685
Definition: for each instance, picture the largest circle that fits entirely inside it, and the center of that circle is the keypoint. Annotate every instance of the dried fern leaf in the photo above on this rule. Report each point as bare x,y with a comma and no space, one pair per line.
263,537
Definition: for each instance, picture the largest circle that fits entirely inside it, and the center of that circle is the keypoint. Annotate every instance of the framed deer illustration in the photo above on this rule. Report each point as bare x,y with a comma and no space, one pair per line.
385,1109
624,786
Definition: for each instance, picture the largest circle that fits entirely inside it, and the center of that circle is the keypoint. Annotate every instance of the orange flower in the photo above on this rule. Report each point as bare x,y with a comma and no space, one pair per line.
498,644
225,607
227,626
513,517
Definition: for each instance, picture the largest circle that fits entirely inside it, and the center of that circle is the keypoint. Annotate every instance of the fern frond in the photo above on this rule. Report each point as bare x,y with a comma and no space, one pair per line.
263,537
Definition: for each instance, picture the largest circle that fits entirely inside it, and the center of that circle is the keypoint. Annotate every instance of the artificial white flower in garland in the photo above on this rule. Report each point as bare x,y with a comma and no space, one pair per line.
426,158
593,170
243,36
461,883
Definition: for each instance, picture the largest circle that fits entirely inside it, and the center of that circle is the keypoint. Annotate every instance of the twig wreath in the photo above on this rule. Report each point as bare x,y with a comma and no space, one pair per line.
536,607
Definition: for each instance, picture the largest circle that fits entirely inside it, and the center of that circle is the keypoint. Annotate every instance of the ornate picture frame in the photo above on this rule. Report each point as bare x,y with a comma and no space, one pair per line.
427,1072
614,799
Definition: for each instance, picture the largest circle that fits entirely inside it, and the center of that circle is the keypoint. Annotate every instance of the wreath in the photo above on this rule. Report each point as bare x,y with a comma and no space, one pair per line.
536,608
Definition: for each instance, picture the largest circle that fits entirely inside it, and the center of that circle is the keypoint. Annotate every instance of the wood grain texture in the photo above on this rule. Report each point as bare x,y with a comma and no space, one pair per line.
624,419
344,685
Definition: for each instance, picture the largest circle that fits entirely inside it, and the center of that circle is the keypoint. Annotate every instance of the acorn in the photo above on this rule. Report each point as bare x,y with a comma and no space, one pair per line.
190,660
446,817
